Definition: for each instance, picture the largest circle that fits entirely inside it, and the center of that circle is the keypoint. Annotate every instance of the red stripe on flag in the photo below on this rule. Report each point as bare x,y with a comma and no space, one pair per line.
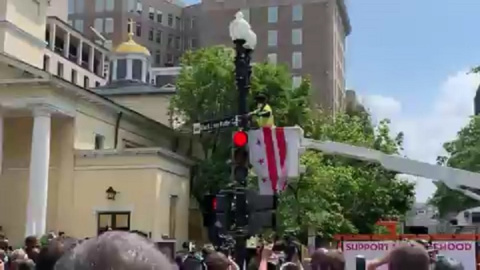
270,153
282,151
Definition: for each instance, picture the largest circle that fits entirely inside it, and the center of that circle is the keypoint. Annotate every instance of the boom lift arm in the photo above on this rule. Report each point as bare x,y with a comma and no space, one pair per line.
464,181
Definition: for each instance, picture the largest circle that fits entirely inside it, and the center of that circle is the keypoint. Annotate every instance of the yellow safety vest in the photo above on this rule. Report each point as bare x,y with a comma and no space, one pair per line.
265,121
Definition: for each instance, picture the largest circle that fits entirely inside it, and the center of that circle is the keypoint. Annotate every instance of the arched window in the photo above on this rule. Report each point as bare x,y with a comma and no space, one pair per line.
121,69
137,69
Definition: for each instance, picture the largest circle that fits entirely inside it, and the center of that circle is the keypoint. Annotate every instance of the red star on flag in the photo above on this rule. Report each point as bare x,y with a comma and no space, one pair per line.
261,161
264,180
259,142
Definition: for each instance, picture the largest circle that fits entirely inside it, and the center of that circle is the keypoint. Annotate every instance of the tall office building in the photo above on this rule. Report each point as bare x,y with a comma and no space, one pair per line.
306,35
160,25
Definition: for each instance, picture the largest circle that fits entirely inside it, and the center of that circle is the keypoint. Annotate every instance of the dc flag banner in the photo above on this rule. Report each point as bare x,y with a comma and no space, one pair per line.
274,156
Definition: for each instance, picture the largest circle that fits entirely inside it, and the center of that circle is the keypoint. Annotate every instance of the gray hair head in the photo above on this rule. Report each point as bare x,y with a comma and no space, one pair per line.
115,250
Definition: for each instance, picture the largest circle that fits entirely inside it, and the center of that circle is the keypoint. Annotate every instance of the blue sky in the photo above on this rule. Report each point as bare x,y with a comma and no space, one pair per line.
408,60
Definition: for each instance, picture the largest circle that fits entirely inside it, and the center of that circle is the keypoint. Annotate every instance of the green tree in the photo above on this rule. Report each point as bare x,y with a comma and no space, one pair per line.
336,194
463,153
343,195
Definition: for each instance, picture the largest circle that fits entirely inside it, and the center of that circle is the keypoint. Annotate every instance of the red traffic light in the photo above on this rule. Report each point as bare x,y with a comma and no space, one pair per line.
240,138
214,203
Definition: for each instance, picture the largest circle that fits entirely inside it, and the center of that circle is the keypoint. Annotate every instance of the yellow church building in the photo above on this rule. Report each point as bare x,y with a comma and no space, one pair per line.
80,160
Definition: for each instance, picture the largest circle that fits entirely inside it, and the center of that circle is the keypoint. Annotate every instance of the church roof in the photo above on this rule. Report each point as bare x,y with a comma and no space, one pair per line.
86,93
130,46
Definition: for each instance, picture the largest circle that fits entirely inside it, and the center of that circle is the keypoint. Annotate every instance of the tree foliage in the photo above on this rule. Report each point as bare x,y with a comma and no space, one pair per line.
463,153
336,194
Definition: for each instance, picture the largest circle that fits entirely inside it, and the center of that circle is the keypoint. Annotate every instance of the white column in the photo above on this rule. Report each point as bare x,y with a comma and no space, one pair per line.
38,179
79,53
1,143
129,69
91,57
66,45
53,30
144,71
114,69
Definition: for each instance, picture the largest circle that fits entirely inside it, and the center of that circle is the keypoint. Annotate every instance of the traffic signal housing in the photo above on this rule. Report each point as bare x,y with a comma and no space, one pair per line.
208,210
240,157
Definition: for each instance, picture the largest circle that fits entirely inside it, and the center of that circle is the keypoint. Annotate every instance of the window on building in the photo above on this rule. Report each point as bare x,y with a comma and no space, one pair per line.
139,7
71,6
272,58
137,69
158,57
78,25
98,25
151,13
99,5
74,76
193,21
297,12
131,5
70,22
150,34
159,16
169,61
109,25
121,68
170,41
272,14
99,142
60,70
86,82
117,221
296,81
246,14
79,6
158,37
193,43
178,23
297,36
172,216
109,5
297,60
170,20
138,29
97,83
46,63
272,38
177,43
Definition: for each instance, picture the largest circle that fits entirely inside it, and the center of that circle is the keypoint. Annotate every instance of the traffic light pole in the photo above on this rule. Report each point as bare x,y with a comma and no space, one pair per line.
243,72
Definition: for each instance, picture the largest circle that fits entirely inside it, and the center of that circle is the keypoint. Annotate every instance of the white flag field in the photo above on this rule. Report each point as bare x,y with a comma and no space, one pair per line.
274,155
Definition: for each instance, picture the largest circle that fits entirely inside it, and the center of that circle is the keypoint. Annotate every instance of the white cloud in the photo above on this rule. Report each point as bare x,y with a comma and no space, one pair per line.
425,134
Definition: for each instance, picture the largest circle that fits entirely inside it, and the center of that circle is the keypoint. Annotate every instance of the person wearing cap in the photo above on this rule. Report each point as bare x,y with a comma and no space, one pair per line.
263,115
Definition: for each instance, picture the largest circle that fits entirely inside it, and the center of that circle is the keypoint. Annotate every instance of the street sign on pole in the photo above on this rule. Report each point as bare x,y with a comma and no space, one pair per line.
209,126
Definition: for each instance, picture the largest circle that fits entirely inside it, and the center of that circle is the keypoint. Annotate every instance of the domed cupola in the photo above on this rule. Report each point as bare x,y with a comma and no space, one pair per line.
130,61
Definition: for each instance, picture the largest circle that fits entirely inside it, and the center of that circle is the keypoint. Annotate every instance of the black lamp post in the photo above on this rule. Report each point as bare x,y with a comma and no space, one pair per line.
245,40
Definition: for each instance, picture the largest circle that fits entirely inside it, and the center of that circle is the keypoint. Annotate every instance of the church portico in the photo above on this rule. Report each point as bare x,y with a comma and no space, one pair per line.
30,166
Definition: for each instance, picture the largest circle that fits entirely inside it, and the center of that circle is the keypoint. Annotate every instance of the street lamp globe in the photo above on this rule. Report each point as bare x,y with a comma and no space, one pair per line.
240,29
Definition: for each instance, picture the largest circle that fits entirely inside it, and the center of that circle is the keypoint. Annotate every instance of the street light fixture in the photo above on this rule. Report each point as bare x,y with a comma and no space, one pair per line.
245,41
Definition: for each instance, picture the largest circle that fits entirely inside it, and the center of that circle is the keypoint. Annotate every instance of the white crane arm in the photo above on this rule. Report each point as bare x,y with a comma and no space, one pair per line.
461,180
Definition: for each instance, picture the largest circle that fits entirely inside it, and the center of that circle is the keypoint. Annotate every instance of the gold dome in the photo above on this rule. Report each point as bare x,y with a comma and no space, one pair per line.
130,46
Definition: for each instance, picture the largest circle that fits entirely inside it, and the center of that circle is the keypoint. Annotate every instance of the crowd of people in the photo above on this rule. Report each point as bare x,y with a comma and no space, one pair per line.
117,250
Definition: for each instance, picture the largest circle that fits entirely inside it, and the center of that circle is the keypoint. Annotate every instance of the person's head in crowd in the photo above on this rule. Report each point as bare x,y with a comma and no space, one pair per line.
114,250
25,264
444,263
50,254
409,256
31,242
18,254
217,261
4,244
327,259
